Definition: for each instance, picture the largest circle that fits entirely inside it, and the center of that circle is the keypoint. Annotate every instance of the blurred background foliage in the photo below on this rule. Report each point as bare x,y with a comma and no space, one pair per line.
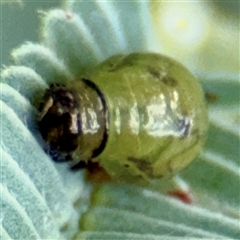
204,30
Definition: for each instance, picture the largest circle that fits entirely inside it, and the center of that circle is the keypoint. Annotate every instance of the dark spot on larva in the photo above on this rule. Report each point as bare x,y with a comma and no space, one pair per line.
155,73
184,125
211,97
170,81
142,165
126,165
123,63
186,130
111,65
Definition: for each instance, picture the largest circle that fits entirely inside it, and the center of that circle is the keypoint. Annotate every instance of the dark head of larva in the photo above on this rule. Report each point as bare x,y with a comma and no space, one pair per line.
59,121
72,121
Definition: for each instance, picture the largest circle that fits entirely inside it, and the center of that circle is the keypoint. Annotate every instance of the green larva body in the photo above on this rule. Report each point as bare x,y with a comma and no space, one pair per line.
148,97
156,119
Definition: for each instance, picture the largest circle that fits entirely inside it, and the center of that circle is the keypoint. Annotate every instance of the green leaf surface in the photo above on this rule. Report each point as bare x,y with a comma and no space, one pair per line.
142,200
104,219
128,236
43,61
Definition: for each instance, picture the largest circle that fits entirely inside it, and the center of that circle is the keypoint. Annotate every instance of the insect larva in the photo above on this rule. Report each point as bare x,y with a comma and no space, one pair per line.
140,116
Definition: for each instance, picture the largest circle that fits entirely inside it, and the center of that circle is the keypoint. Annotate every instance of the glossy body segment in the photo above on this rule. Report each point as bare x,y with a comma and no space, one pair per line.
157,116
